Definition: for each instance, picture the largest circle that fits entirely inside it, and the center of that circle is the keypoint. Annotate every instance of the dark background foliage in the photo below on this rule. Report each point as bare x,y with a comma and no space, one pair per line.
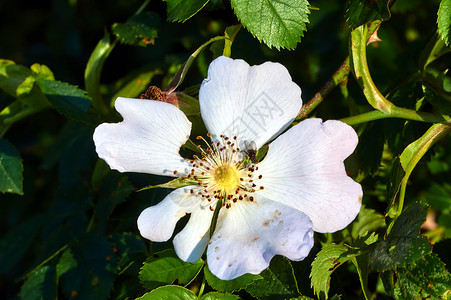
71,198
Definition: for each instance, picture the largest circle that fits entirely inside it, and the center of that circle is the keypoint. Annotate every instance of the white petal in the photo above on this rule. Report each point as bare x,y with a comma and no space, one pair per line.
249,234
148,140
190,243
304,169
253,103
157,223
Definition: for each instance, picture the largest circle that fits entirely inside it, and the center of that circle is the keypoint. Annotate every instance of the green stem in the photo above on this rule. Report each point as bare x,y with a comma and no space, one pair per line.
397,112
181,73
340,76
46,261
202,288
359,40
142,7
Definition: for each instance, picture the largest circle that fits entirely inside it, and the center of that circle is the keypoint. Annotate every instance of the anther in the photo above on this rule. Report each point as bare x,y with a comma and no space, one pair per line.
175,172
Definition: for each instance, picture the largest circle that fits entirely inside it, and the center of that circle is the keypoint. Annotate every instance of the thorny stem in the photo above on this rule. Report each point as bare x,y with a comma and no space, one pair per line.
340,76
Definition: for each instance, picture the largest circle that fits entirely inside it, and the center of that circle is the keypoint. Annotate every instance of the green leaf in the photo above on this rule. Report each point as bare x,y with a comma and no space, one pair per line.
326,262
130,249
230,286
114,190
173,184
165,268
393,252
133,85
86,270
278,281
219,296
425,278
370,148
10,169
438,195
11,76
444,21
182,10
93,70
277,23
403,245
68,100
41,285
367,220
359,12
169,292
16,242
139,30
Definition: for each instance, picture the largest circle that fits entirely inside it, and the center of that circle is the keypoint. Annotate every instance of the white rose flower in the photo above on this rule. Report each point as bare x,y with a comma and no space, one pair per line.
268,208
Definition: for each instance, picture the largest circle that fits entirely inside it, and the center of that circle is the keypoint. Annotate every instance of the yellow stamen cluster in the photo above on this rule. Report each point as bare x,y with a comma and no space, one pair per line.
222,173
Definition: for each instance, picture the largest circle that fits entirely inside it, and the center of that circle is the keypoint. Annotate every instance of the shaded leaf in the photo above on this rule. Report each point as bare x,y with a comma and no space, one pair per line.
359,12
444,21
41,285
139,30
86,270
422,279
10,169
165,268
279,24
114,190
230,286
130,249
16,242
278,281
169,292
182,10
403,245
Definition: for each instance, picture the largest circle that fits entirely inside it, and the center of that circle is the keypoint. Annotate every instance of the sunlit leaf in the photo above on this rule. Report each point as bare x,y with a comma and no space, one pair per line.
278,281
444,21
182,10
165,268
10,169
139,30
169,292
219,296
359,12
326,262
230,286
68,100
134,84
279,24
11,76
41,285
368,220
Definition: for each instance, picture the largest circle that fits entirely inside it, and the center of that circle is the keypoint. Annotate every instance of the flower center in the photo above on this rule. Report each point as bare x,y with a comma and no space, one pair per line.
226,177
223,174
